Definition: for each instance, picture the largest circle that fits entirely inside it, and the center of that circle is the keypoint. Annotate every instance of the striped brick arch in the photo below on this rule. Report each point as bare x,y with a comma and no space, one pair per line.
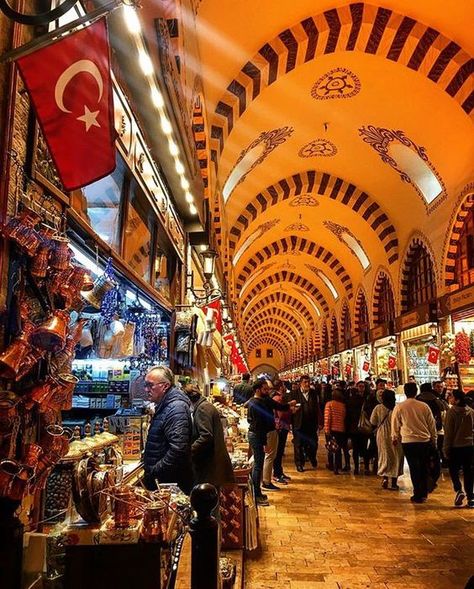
324,336
199,132
269,341
295,243
325,185
416,242
285,332
355,27
267,322
466,206
334,331
361,312
277,298
382,282
285,276
273,315
269,337
283,312
346,324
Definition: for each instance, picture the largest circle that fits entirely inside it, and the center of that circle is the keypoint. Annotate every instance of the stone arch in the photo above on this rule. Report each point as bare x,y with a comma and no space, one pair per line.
274,314
269,322
282,331
323,184
295,243
334,331
355,27
454,232
276,343
279,297
346,324
285,276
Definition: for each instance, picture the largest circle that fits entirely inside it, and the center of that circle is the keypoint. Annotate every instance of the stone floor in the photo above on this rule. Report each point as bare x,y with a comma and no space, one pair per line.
345,532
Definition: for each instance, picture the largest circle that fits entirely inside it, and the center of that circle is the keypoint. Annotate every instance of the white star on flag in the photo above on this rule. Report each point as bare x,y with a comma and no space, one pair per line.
89,118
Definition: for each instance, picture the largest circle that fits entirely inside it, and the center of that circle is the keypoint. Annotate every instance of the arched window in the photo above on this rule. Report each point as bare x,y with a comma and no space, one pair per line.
464,261
334,332
421,286
346,327
385,309
362,314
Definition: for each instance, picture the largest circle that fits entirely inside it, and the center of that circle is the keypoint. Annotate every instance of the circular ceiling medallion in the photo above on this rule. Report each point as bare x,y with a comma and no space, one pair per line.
318,147
337,83
304,200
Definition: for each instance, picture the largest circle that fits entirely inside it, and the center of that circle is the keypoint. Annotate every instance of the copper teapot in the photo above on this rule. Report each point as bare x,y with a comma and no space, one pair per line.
13,359
51,335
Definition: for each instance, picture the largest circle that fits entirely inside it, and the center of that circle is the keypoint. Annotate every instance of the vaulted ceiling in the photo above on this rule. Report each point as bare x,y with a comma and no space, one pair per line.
326,123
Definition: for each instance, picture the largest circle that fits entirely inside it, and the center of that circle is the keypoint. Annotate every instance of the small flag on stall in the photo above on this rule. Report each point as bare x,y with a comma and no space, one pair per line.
70,87
433,354
392,362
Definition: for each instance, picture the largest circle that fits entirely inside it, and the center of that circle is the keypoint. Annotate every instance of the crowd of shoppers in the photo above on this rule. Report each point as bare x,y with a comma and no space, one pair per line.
427,429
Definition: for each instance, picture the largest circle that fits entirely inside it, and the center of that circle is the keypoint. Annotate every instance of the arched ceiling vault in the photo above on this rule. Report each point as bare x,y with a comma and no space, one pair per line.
323,123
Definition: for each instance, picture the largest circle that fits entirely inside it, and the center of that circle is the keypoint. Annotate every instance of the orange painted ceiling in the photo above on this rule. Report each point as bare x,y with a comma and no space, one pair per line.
308,107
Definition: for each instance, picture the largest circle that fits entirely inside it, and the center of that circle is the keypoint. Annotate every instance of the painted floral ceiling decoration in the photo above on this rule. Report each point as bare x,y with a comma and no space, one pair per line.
259,231
337,83
345,235
297,227
304,200
318,148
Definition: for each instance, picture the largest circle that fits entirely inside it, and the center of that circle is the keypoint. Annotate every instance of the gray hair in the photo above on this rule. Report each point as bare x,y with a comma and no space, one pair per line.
165,371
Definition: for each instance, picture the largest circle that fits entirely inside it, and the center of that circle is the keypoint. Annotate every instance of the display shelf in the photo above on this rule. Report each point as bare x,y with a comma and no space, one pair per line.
103,393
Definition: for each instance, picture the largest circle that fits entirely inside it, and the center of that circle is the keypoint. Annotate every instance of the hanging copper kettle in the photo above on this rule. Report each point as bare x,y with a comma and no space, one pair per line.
21,229
60,253
51,335
60,394
102,285
14,358
13,479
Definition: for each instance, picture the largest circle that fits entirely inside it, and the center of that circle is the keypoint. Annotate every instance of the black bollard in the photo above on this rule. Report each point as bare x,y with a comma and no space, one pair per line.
204,531
11,545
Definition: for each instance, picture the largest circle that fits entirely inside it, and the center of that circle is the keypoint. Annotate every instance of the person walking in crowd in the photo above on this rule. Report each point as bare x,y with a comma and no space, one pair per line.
414,426
334,426
370,403
440,392
380,385
459,447
167,456
305,422
243,391
283,426
390,456
210,459
358,438
261,420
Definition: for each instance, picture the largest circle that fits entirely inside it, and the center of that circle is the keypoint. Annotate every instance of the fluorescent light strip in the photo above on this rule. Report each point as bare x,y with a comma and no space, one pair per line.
130,297
87,262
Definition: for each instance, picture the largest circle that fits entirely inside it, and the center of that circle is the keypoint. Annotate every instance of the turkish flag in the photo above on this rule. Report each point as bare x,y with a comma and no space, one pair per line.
392,362
366,366
70,87
433,355
217,313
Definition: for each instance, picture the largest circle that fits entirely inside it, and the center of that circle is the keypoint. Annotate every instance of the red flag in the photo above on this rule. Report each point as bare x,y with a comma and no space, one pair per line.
392,362
433,355
217,315
70,87
366,366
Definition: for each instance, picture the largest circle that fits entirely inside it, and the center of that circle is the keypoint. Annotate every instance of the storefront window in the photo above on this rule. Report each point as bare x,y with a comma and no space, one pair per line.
464,263
139,229
386,306
100,204
421,279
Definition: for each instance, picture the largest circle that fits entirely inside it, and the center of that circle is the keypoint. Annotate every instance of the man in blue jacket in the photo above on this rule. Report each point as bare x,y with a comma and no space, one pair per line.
167,456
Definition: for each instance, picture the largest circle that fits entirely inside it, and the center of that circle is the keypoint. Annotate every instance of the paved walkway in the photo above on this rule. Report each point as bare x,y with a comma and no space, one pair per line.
345,532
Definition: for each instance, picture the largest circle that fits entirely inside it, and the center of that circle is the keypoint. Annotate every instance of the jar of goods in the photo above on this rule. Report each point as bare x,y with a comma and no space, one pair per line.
58,492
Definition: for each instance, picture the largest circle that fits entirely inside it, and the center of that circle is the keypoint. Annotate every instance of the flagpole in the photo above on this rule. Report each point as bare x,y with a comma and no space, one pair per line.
48,38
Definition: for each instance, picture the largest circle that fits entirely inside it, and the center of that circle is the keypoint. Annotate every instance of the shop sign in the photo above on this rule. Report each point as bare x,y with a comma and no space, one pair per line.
359,339
423,314
382,330
456,301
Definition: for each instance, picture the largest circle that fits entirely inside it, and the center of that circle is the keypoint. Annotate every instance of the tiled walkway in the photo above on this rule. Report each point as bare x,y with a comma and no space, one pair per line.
346,532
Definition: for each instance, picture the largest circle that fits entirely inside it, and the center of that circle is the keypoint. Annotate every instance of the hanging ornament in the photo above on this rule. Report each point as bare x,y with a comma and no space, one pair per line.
462,348
111,301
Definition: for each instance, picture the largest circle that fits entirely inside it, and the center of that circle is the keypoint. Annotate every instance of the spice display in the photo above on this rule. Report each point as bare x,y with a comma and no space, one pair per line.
462,351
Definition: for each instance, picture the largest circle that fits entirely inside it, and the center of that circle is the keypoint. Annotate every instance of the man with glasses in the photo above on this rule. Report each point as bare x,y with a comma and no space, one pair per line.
167,456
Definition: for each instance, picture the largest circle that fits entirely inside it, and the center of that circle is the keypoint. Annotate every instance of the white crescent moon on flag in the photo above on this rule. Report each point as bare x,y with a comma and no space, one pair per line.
83,65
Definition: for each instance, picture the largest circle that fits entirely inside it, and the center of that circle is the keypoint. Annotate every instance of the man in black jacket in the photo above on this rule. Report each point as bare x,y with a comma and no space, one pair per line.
261,420
243,391
210,459
167,457
305,421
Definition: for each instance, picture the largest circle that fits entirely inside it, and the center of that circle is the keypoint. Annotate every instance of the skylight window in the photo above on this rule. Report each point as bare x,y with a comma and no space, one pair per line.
417,170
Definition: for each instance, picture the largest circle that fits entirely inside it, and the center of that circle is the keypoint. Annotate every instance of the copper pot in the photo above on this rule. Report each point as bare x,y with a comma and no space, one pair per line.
14,357
123,507
21,229
13,480
154,522
102,285
61,253
8,412
31,456
51,335
39,394
60,397
30,362
40,262
55,443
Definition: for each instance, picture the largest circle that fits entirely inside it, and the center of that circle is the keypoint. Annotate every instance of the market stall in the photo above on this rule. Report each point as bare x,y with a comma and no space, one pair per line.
385,352
362,357
420,352
457,311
